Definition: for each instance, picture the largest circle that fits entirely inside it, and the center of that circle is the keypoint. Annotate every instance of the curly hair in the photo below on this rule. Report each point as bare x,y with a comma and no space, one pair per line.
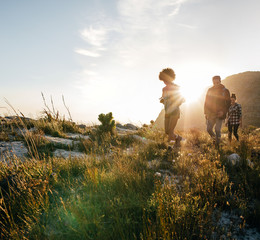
167,75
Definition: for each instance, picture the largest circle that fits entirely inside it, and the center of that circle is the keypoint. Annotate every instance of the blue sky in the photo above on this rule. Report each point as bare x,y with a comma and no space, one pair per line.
106,55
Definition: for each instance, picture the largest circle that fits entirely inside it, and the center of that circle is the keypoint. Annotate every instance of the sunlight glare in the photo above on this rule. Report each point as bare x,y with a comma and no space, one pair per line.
193,83
191,93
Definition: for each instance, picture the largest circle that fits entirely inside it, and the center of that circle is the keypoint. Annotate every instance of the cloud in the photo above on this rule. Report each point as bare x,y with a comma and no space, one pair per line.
95,37
137,36
146,29
87,53
141,13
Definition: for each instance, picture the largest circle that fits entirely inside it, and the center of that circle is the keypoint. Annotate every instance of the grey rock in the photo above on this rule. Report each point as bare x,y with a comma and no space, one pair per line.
9,150
77,136
131,126
57,140
119,125
128,126
234,159
68,154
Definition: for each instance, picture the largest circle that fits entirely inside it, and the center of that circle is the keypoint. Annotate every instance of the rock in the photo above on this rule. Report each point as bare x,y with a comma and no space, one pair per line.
119,125
68,154
230,225
77,136
131,126
234,159
57,140
124,131
127,126
12,149
23,132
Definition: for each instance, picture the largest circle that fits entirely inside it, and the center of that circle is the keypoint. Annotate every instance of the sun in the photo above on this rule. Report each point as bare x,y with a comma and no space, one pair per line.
194,78
191,92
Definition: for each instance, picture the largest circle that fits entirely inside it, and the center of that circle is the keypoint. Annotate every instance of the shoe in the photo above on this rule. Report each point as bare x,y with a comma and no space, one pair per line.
178,141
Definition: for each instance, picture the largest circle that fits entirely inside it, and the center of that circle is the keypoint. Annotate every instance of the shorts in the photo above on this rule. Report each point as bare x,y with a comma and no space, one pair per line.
170,122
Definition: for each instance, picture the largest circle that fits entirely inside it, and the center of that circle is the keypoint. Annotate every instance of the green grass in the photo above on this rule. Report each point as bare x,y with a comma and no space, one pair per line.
114,193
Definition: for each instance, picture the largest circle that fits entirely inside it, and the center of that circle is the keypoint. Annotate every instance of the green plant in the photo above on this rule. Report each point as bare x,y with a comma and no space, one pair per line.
107,124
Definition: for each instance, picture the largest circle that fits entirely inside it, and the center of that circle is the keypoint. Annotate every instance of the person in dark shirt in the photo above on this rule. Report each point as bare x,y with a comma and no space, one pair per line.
217,103
234,119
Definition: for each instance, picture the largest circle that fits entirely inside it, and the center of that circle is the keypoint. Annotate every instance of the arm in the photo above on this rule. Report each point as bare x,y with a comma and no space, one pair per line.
162,97
227,100
206,103
240,114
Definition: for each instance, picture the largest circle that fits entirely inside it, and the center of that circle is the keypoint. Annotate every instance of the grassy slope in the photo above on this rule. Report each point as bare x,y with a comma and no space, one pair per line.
115,193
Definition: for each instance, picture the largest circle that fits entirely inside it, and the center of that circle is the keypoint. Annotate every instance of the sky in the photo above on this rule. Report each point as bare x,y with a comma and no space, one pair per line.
105,55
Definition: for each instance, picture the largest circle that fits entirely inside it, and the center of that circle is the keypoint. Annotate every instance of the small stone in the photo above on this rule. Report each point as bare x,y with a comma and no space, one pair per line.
234,159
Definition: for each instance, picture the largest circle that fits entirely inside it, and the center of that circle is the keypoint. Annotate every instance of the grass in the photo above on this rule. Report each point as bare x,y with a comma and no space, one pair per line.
115,193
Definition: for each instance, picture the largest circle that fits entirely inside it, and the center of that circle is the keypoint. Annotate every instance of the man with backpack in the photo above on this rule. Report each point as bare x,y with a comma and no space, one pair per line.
217,103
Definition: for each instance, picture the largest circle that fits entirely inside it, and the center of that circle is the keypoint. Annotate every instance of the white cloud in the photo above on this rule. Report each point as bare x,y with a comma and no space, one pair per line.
95,37
141,13
146,31
87,52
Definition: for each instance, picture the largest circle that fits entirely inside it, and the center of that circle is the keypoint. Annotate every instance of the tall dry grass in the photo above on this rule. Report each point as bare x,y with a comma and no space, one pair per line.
114,193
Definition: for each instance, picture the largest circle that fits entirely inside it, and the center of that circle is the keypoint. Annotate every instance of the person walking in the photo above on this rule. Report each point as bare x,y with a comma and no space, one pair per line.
234,119
172,99
217,103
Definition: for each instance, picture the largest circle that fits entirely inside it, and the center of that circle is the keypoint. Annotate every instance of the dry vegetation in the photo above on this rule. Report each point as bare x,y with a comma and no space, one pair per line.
117,192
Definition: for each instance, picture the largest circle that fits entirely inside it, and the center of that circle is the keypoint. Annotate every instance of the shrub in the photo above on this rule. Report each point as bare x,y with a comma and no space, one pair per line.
107,124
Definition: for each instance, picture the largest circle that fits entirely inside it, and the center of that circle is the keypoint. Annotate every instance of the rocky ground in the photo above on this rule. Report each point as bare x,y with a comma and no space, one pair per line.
11,148
229,222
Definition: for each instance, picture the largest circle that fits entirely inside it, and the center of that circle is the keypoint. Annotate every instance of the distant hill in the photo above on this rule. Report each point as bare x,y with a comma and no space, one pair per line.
245,85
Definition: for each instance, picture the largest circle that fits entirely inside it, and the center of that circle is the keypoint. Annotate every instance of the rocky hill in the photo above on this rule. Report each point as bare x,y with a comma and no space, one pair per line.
245,85
247,88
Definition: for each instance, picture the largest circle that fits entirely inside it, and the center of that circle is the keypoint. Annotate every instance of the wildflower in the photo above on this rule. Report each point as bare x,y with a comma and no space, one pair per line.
157,174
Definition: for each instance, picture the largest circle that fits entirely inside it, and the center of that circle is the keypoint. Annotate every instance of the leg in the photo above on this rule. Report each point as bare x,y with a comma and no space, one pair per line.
235,131
166,125
229,132
218,129
172,124
210,125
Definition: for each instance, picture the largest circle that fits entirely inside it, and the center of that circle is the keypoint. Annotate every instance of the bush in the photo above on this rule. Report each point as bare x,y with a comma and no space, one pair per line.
108,125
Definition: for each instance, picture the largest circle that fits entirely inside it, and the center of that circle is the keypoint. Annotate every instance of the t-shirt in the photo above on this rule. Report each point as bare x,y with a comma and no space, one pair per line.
172,99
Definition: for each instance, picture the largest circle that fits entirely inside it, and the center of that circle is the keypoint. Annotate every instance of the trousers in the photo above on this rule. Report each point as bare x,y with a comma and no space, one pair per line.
217,122
233,128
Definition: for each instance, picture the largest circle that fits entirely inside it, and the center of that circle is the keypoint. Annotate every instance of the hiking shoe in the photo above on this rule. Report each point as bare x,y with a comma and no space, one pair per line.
178,141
